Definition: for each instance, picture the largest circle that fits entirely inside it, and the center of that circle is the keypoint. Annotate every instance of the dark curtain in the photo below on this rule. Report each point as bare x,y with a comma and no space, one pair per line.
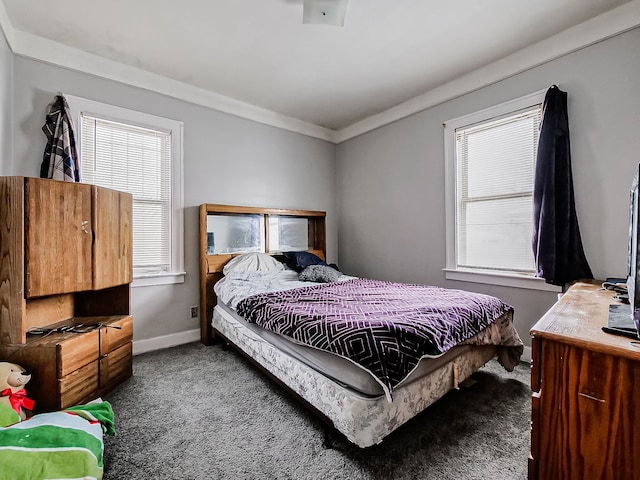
557,246
60,160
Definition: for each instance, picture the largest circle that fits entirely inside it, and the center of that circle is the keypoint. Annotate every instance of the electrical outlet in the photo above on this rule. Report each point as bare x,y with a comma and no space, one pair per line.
194,311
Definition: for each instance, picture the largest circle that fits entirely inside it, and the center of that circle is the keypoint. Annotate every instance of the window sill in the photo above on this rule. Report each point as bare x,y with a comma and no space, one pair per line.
158,279
505,279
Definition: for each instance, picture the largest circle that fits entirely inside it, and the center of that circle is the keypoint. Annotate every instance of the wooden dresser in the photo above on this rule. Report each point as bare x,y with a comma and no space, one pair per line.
65,272
586,387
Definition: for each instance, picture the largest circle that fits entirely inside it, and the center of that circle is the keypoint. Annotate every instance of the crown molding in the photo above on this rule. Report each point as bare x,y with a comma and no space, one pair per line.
37,48
609,24
6,26
616,21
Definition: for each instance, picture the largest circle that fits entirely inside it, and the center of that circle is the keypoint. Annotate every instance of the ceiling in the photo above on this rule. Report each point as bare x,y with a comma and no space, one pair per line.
260,53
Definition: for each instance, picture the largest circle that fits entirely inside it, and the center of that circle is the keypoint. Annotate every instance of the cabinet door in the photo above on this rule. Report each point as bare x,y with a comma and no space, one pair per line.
58,237
11,260
112,263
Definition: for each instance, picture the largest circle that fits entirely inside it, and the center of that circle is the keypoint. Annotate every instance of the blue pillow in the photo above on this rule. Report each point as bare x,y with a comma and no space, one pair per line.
298,261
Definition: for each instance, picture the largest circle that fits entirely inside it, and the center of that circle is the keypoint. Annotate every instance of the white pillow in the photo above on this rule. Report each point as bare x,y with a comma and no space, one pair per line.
253,262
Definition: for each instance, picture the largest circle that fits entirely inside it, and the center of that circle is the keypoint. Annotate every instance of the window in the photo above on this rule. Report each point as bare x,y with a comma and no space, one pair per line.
490,164
140,154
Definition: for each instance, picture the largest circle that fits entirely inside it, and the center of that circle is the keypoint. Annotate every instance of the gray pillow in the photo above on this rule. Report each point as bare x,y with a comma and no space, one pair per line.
319,273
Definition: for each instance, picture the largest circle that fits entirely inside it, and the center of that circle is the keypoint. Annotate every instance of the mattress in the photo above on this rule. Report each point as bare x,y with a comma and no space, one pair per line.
238,287
339,369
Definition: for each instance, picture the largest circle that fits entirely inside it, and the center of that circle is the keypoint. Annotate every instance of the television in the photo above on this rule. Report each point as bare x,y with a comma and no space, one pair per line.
633,263
625,319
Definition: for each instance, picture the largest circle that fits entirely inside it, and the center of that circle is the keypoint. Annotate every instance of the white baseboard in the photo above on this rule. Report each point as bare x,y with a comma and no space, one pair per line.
165,341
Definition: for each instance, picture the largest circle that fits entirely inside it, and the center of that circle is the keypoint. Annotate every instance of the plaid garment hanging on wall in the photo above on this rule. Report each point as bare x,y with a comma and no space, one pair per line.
60,160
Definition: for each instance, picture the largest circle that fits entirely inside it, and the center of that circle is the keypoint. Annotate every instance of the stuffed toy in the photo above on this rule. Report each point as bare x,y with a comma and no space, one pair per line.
13,396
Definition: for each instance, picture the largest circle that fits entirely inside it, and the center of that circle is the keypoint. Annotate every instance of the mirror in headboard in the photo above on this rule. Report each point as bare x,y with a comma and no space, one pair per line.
235,234
288,234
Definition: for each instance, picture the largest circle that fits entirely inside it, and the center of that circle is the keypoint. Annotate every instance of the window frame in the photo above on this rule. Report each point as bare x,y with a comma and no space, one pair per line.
477,275
79,105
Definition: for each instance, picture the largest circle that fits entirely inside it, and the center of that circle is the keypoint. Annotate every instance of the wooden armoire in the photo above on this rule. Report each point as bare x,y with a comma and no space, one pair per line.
65,293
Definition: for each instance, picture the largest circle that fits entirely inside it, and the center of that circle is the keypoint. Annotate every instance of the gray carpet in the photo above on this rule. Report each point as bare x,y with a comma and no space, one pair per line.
196,412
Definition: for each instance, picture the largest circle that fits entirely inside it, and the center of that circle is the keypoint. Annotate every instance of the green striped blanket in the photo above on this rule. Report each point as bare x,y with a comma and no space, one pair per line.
57,445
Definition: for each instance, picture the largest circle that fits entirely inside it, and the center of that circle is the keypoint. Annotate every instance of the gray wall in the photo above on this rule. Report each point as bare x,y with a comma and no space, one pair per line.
6,106
227,160
391,180
389,183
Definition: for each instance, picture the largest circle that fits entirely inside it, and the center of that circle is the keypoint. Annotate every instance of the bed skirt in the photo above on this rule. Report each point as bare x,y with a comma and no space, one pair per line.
364,421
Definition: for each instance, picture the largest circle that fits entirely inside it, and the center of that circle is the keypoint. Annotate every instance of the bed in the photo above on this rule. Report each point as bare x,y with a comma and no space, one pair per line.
362,383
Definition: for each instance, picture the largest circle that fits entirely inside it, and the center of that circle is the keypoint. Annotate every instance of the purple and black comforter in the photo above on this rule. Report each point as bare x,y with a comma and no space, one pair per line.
385,327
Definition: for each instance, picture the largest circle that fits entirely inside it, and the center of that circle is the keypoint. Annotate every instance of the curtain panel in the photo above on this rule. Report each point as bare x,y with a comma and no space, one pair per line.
557,246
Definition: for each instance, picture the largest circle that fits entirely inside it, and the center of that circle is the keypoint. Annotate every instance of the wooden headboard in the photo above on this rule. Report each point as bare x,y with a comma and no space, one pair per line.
211,265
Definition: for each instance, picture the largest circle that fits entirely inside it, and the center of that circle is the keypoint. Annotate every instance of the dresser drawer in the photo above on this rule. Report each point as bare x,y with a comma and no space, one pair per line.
115,334
78,386
76,351
116,366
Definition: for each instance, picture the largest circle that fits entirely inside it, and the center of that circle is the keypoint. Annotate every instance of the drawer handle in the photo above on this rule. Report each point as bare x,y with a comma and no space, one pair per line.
105,355
592,398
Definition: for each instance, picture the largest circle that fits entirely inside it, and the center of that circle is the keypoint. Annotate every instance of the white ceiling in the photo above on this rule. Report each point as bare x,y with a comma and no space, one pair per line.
260,53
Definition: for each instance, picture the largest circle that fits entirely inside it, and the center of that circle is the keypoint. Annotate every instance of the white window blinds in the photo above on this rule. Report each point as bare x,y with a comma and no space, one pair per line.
137,160
495,165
